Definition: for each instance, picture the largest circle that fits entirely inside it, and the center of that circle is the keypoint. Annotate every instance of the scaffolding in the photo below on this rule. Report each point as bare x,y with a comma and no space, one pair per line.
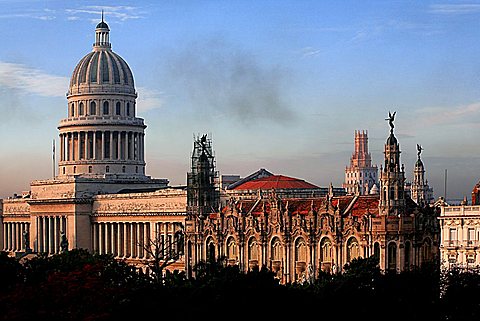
203,194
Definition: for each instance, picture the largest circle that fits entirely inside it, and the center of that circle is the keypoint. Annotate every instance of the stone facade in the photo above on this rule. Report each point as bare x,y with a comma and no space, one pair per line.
460,236
297,237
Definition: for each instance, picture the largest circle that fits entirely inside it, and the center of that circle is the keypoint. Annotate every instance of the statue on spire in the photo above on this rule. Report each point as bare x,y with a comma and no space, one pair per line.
419,150
391,118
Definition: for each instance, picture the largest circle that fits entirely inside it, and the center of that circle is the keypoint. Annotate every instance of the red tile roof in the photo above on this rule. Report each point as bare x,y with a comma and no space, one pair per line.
275,182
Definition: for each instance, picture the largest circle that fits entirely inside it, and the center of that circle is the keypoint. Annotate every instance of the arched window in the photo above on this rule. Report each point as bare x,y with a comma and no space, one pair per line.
128,109
326,254
426,251
117,109
211,252
407,255
105,108
179,243
392,257
376,251
300,258
93,108
276,257
81,109
353,250
326,250
252,253
72,110
231,250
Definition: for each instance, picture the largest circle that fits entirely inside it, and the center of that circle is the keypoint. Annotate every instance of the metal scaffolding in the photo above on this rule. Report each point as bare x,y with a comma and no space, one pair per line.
203,194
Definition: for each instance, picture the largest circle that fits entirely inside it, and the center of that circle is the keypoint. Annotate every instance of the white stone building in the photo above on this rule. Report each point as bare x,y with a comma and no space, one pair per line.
460,236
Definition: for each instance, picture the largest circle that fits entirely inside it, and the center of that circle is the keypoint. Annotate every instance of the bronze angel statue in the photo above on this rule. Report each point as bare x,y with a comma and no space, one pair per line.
391,118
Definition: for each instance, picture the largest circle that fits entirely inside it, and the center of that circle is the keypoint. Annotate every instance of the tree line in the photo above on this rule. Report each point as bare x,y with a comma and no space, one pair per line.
79,285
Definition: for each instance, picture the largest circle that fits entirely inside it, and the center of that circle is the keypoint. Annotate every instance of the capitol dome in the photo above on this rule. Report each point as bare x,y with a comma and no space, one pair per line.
101,70
101,135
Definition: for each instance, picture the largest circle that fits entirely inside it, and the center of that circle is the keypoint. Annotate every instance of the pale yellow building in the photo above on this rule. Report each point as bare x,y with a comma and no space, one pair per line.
460,236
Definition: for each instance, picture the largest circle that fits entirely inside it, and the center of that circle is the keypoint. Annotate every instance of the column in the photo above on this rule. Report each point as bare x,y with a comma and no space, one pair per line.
95,238
61,147
125,239
52,234
55,242
4,227
103,145
86,156
100,238
112,239
119,145
94,142
110,145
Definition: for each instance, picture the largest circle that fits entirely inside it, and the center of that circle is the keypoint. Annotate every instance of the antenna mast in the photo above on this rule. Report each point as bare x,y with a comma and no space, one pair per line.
53,156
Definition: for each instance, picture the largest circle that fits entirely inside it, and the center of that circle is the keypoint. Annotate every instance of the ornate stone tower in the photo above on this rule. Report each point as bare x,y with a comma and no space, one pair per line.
392,177
360,176
421,193
101,134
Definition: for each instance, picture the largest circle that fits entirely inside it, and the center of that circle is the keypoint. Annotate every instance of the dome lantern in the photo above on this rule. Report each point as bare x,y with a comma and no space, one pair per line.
102,35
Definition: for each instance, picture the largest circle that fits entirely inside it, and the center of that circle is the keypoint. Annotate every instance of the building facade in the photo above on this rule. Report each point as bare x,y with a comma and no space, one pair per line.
460,234
100,200
296,237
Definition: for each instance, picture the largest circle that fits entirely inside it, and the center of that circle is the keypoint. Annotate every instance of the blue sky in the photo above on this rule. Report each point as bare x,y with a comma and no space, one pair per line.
280,85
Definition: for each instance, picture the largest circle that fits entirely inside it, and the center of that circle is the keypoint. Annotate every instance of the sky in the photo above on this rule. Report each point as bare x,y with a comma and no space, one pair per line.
280,85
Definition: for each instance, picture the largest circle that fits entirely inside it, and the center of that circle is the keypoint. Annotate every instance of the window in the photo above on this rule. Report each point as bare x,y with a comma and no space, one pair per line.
74,169
128,109
353,250
105,108
471,235
117,109
107,169
453,234
89,169
81,110
123,169
64,171
392,256
72,110
136,169
93,108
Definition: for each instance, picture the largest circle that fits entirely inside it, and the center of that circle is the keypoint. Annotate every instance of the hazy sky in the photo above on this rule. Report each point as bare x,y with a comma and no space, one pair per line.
280,85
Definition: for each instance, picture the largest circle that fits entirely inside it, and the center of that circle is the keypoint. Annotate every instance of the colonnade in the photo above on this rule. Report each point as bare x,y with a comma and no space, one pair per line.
133,239
13,236
49,232
99,145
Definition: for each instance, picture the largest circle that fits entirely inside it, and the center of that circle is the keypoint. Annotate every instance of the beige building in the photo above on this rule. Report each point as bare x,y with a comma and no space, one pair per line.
460,235
101,199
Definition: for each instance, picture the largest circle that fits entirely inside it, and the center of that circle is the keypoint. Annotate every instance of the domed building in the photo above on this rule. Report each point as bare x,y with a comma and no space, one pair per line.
101,134
101,199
